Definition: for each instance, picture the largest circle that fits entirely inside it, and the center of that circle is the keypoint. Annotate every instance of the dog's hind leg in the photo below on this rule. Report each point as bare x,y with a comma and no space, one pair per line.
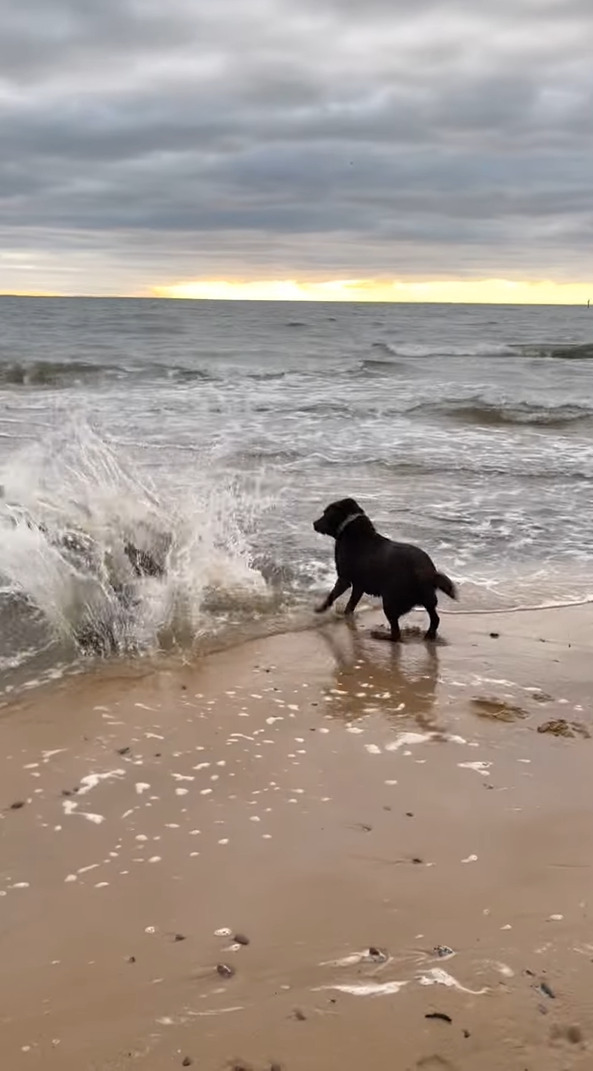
430,604
392,613
338,589
355,597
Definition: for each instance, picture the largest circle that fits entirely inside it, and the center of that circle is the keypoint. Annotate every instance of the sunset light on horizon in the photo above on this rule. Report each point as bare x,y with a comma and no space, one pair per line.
474,291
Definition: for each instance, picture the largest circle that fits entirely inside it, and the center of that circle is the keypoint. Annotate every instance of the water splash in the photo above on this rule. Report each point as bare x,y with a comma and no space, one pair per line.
113,563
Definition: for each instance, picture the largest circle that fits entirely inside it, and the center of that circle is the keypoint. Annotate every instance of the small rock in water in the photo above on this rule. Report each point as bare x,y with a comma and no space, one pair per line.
443,951
495,635
376,955
416,859
131,959
123,751
225,971
187,1061
439,1015
17,805
241,939
299,1015
546,990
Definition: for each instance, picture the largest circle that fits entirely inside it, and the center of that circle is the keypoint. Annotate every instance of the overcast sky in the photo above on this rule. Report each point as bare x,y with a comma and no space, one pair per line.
151,141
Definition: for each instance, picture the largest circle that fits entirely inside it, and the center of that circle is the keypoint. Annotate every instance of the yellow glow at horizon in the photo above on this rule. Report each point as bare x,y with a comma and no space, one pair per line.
495,291
31,293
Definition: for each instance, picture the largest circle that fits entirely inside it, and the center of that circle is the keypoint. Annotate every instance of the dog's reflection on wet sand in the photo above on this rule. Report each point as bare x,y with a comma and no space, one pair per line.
398,682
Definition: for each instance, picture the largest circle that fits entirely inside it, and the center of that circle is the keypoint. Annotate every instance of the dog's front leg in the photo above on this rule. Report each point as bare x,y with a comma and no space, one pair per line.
338,589
355,597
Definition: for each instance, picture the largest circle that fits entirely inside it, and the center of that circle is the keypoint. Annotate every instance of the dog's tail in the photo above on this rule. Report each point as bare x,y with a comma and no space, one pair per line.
443,583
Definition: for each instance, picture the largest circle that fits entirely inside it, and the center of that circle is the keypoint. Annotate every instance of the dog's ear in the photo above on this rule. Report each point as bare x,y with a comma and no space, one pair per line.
351,505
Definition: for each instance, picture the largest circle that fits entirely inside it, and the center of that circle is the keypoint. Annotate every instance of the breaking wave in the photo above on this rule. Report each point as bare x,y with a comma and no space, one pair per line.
103,562
64,374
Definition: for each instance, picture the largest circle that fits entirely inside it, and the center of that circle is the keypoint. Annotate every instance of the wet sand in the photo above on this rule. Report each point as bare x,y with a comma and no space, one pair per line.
319,795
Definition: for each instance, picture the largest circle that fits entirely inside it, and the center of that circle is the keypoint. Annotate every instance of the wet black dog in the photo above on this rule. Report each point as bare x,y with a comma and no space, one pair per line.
399,573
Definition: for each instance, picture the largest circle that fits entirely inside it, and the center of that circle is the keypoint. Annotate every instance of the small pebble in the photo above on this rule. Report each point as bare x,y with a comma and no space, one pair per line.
443,951
225,971
299,1015
123,751
439,1015
17,806
241,939
131,959
187,1061
377,955
495,635
545,989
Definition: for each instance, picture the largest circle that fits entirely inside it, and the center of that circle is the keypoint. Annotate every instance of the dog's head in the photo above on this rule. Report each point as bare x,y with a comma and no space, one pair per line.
336,516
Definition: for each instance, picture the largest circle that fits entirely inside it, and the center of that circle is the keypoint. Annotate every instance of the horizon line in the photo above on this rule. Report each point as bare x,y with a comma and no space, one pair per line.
56,296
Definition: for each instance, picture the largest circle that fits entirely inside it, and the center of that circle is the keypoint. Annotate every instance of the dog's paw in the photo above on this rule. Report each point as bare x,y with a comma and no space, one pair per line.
383,634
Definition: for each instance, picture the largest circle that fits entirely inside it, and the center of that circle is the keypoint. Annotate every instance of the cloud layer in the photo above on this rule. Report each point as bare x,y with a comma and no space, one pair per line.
144,143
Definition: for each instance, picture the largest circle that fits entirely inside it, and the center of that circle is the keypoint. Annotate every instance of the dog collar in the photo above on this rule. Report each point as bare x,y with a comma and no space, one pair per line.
344,524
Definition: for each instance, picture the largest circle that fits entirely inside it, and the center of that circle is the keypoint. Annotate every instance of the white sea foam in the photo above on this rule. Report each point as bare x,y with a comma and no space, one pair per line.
69,506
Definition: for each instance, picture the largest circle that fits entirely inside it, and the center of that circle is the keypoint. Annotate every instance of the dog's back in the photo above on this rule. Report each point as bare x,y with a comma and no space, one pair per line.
378,564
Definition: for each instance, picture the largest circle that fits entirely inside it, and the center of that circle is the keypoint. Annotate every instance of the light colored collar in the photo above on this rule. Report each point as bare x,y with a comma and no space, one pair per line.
344,524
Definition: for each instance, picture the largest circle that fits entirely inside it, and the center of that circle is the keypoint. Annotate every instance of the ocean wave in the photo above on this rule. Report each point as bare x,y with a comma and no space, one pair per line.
419,351
52,373
65,374
377,366
493,414
570,351
559,351
480,467
112,565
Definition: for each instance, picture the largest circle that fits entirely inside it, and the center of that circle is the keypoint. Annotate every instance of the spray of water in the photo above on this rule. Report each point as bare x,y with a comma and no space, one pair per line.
113,563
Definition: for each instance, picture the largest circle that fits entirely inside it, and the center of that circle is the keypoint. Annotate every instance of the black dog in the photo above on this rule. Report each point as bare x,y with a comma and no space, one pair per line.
401,574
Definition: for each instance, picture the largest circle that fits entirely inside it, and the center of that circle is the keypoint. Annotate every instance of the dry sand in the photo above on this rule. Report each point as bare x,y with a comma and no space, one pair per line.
319,794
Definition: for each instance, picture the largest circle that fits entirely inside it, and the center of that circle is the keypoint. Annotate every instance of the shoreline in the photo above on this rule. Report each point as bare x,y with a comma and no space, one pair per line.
319,794
237,635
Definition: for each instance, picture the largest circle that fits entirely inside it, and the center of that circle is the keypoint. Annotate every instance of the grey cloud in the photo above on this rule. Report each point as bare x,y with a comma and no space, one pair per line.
296,134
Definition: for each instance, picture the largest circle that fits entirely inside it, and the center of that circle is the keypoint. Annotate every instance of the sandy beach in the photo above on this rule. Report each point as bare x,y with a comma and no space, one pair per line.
312,851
